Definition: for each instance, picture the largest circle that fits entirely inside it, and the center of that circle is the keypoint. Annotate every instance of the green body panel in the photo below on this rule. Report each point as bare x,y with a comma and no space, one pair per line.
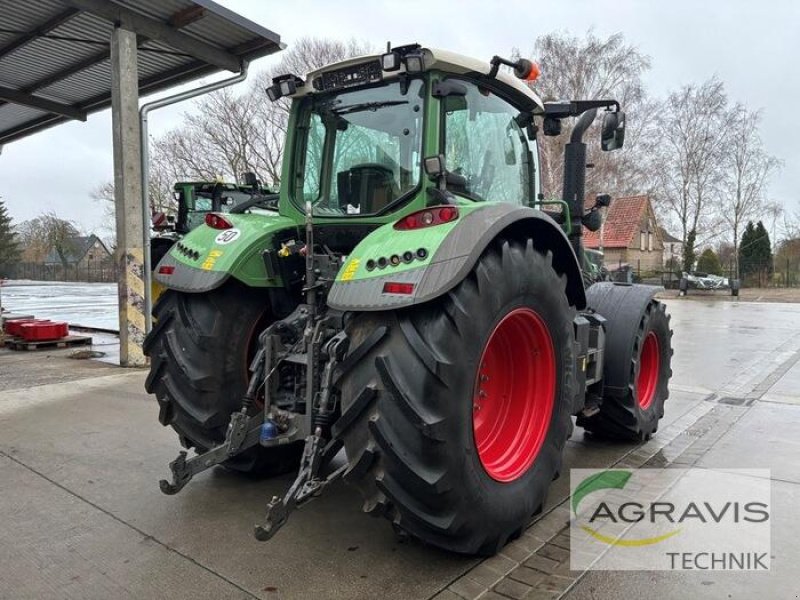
240,257
386,241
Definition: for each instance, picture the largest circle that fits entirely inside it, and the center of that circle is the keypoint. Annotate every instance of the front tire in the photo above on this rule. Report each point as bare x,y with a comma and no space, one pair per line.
199,350
419,448
633,413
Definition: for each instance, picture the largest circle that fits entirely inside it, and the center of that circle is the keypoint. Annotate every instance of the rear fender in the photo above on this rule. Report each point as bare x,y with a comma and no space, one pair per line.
205,258
452,251
622,305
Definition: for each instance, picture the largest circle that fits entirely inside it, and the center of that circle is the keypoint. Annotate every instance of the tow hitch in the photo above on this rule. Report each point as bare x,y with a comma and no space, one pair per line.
306,486
313,339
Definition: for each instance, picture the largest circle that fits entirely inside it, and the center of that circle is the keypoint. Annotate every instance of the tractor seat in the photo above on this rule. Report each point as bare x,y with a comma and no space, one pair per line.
369,186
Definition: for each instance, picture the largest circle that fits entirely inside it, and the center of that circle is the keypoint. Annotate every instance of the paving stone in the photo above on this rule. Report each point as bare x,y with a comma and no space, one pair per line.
517,551
554,552
529,543
484,575
562,540
535,594
467,588
493,596
554,583
447,595
541,563
512,589
501,564
527,575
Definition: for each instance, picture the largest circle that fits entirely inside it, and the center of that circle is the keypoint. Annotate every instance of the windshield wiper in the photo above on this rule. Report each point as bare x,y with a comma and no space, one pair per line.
343,110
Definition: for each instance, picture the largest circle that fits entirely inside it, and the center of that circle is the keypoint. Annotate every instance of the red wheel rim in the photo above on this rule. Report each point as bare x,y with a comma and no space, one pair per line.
649,365
514,395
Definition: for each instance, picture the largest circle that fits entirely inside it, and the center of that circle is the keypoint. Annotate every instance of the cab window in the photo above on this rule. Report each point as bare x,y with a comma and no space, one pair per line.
484,144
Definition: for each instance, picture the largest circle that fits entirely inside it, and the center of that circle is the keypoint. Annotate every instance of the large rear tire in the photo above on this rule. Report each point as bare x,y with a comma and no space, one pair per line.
633,412
455,422
199,352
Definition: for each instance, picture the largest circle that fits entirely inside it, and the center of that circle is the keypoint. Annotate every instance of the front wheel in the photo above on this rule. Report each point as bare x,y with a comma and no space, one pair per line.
632,411
455,422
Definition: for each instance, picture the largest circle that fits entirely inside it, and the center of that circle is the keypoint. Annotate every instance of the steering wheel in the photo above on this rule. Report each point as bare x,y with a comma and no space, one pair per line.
377,166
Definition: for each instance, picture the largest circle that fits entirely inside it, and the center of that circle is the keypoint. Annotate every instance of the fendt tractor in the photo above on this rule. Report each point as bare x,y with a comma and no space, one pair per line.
413,300
195,199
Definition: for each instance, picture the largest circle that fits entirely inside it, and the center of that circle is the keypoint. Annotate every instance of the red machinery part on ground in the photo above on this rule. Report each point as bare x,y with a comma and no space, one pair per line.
35,330
12,326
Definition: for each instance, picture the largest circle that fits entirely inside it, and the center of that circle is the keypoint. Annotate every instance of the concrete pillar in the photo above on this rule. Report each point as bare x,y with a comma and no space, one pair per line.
128,195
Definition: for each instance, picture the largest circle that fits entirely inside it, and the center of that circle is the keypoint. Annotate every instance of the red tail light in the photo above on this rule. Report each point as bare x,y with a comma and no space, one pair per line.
217,221
396,287
166,270
427,218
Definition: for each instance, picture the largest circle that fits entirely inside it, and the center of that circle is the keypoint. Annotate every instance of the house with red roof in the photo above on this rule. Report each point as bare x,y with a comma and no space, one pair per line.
629,235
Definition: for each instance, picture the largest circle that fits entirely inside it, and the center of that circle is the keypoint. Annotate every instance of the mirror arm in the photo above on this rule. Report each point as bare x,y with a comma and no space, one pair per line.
583,124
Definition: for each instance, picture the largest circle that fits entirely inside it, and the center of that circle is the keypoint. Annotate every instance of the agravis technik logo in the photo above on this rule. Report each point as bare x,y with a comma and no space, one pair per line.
611,480
668,519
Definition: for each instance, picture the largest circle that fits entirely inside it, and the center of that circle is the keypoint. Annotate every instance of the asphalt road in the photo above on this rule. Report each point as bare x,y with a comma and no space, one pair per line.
81,515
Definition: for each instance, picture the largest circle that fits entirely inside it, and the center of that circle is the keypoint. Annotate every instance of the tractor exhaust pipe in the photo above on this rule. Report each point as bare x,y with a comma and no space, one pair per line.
575,179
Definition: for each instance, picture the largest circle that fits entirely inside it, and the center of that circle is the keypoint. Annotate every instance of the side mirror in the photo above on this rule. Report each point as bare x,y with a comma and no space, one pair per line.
613,133
249,178
602,200
434,165
592,220
551,126
452,93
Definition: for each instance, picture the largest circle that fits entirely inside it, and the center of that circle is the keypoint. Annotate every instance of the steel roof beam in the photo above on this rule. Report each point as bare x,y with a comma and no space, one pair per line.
159,31
56,108
41,30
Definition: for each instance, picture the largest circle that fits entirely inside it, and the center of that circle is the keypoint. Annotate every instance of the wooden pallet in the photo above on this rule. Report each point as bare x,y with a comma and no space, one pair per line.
65,342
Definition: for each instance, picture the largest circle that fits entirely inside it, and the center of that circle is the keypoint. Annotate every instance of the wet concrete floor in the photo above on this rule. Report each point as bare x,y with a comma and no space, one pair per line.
81,515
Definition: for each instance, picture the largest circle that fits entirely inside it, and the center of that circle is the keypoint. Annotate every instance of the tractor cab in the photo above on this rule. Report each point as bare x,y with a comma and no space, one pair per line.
359,131
196,199
377,138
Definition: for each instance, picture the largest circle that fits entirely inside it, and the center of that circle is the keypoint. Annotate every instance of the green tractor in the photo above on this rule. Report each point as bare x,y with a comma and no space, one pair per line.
411,300
195,199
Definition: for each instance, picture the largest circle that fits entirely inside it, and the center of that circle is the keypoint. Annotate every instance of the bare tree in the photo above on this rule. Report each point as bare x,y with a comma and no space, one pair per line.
231,132
748,168
688,160
773,213
45,233
593,67
163,175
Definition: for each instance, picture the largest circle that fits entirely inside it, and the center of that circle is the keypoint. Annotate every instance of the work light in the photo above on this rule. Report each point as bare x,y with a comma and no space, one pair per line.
390,61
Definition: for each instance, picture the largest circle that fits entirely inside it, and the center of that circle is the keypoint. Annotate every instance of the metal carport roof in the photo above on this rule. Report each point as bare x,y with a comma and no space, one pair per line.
55,54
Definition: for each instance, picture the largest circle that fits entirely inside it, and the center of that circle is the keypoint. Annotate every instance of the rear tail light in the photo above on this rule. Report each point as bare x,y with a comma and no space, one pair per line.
166,270
428,217
396,287
217,221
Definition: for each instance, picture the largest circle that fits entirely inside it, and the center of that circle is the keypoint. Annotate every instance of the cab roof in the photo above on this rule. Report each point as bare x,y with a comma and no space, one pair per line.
433,59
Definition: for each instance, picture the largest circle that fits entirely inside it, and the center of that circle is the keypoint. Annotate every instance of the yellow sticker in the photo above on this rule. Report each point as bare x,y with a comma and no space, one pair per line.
211,259
350,270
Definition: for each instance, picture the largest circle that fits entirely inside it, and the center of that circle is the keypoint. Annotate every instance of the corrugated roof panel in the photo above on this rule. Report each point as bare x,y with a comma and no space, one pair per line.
230,34
83,41
39,59
34,14
86,26
83,85
16,111
16,114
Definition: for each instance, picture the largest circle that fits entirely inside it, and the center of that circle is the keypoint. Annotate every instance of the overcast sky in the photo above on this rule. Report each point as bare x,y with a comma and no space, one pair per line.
752,46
